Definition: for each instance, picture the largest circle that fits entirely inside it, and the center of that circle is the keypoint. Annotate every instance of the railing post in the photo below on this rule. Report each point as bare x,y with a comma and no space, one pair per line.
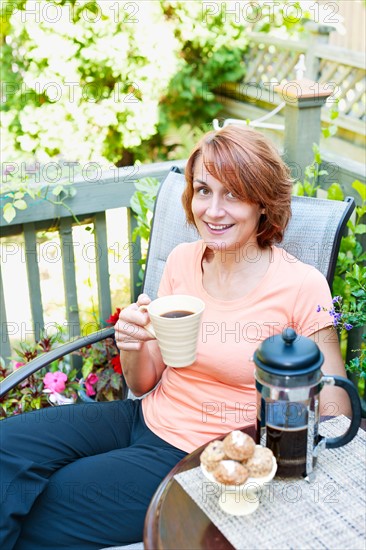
134,258
318,34
5,347
304,99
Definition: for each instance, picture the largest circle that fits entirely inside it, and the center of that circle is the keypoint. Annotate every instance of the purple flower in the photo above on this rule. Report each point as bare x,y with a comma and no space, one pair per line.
348,326
336,318
336,299
318,309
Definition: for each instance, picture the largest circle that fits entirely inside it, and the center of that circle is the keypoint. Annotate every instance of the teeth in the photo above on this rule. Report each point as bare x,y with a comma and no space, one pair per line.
218,227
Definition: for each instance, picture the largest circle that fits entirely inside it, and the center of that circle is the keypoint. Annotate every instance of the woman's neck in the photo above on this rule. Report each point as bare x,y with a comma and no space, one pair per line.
228,275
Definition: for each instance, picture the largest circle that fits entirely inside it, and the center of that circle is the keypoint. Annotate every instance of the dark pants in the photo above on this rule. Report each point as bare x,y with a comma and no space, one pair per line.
79,477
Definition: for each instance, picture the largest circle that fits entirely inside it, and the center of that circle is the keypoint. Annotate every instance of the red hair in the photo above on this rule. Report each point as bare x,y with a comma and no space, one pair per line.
248,165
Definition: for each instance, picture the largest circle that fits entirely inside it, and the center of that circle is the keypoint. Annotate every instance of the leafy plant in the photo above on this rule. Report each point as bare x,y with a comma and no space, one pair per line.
14,195
313,172
351,250
142,203
101,378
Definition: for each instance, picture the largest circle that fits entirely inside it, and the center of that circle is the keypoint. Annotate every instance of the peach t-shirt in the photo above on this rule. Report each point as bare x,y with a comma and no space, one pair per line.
192,405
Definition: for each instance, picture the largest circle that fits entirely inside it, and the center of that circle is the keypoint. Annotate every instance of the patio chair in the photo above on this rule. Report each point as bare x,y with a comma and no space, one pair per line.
313,236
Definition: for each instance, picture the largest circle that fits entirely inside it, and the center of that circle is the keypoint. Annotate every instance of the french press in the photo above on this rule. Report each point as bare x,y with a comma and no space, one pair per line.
288,381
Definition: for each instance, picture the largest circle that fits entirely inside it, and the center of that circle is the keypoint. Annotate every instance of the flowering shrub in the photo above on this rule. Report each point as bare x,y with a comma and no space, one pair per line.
338,314
351,314
101,371
100,378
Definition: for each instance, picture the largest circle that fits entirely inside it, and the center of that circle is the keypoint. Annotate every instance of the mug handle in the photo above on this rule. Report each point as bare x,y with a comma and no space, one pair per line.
334,442
149,328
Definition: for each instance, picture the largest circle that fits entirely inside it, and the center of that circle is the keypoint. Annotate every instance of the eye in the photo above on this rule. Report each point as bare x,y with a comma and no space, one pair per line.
231,195
203,191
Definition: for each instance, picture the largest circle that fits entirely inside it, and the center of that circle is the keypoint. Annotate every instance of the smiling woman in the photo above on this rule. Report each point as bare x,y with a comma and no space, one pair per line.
238,195
220,215
250,170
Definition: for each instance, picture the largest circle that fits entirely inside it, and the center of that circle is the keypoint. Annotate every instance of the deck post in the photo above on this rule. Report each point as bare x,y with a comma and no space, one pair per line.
304,99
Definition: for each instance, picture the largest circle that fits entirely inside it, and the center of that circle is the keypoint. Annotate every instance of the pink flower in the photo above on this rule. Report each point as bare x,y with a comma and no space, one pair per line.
91,379
18,365
55,381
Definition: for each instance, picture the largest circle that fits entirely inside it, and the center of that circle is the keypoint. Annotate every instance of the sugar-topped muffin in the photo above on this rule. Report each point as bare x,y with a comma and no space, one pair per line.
260,463
212,454
230,472
238,445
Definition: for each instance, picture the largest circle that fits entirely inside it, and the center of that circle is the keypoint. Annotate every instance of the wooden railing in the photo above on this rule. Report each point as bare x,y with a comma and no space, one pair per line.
271,60
89,205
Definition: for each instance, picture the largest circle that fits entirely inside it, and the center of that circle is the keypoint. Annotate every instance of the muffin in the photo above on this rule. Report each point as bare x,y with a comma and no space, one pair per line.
260,464
212,454
230,472
238,445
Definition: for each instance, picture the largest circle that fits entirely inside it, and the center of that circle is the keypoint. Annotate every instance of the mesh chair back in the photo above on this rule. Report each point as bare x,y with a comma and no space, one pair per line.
313,234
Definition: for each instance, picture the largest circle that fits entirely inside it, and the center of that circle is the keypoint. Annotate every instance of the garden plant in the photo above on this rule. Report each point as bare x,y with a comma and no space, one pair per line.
121,87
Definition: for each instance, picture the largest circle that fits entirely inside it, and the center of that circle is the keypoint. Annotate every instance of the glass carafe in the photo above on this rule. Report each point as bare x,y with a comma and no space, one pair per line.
289,381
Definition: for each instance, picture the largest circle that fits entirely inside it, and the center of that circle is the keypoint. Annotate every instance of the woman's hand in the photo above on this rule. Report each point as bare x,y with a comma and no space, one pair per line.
142,363
130,334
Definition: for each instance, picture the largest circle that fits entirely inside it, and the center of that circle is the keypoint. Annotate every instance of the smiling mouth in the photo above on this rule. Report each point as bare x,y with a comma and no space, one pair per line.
221,227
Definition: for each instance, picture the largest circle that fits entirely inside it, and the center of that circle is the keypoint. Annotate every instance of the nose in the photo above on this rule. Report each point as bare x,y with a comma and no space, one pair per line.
215,209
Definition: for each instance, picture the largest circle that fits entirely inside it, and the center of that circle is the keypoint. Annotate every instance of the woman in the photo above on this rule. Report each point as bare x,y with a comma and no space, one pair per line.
81,477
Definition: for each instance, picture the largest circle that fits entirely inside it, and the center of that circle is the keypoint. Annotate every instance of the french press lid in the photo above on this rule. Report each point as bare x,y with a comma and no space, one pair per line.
288,354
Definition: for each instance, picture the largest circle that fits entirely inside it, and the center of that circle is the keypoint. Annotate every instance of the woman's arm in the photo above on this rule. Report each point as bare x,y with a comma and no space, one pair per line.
333,400
140,355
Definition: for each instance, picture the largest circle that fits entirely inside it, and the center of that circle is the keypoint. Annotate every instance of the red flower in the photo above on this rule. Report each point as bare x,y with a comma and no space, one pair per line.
116,363
112,320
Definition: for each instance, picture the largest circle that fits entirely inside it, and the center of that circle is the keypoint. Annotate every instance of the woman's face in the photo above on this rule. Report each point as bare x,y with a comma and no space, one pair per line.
223,220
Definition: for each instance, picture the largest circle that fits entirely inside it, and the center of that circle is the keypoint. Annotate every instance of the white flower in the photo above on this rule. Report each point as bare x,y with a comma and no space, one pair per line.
58,398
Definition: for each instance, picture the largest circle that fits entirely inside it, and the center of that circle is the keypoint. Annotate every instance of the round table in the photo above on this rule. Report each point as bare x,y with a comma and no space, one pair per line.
174,521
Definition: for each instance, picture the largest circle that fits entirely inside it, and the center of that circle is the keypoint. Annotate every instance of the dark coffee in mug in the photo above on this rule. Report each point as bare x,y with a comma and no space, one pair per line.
176,314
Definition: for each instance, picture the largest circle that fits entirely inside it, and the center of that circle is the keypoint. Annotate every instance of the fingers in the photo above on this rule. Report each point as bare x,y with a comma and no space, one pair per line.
130,334
143,300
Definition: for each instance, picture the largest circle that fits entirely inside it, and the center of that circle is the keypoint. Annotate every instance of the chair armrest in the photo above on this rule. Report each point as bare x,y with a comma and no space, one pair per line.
46,358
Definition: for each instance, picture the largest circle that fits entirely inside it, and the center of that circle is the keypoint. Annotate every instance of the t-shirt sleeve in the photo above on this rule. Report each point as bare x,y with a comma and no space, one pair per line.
312,304
166,282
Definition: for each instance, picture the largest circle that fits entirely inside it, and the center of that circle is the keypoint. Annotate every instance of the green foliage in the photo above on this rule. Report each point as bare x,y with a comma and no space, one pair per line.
286,15
351,254
310,185
88,85
30,394
14,196
101,368
98,81
313,172
142,203
350,276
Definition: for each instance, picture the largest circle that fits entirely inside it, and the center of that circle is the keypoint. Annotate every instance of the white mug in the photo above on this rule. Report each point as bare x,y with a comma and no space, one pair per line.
177,333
